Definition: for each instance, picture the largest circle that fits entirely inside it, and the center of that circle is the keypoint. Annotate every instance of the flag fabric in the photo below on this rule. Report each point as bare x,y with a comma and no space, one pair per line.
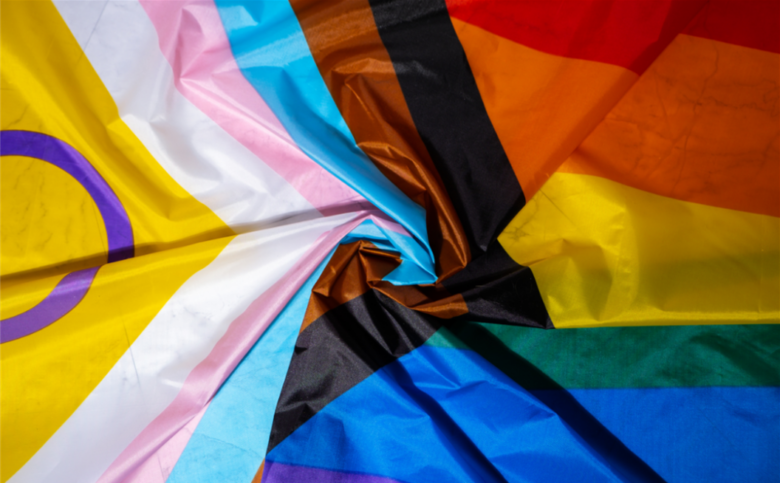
378,241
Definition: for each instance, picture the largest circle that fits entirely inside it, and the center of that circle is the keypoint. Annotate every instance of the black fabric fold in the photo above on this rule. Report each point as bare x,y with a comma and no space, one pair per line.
448,112
342,348
497,289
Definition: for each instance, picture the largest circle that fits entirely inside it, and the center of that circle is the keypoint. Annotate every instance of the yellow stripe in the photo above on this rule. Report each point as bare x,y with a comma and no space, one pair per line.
47,375
49,86
36,200
605,254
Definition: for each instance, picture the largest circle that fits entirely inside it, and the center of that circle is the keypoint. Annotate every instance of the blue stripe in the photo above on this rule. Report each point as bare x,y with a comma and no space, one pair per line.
710,434
273,55
446,414
442,415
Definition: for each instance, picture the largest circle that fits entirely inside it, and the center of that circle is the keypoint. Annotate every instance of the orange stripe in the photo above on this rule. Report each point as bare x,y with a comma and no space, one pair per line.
701,125
542,106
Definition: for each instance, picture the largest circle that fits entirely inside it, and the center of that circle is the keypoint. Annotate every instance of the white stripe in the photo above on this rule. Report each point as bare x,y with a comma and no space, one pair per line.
148,377
122,45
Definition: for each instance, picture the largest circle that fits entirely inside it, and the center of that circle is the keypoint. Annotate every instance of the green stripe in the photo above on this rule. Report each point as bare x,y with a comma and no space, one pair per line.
625,357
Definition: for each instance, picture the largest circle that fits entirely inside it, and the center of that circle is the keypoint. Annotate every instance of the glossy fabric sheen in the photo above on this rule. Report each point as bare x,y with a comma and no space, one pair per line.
358,71
207,74
73,105
607,254
677,431
678,397
74,96
230,441
265,268
298,240
120,41
424,412
341,349
71,357
438,83
125,296
285,74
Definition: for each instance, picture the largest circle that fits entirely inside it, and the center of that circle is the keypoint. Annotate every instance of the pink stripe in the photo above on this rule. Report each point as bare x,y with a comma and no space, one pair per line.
157,468
384,221
193,40
204,381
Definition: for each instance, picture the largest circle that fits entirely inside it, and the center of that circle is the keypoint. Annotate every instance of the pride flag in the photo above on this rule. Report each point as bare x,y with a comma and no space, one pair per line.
389,241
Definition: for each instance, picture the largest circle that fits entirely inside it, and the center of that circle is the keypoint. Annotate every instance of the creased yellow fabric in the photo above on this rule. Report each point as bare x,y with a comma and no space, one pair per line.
605,254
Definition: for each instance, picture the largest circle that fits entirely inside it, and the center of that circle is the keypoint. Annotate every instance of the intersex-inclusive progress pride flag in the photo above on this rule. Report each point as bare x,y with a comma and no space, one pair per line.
389,241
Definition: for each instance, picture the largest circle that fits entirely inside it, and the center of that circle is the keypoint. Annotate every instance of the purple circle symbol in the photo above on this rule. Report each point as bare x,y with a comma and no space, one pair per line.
74,286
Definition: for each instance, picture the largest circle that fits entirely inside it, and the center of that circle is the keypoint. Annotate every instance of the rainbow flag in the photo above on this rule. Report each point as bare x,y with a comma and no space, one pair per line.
389,241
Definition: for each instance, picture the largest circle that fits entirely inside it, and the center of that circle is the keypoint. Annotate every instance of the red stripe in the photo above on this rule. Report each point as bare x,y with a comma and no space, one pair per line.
628,33
749,23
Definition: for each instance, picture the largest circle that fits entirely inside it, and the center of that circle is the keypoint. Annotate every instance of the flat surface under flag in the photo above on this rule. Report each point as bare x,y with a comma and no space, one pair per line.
389,241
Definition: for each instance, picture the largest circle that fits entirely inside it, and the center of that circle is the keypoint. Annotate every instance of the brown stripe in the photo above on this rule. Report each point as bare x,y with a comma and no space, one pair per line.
356,268
357,69
349,273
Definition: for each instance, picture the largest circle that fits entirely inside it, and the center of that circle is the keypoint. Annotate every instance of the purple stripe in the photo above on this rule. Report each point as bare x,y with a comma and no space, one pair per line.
282,473
65,296
74,286
61,154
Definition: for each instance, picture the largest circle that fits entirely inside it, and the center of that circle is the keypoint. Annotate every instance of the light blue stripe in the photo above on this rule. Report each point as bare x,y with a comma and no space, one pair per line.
409,272
273,55
231,440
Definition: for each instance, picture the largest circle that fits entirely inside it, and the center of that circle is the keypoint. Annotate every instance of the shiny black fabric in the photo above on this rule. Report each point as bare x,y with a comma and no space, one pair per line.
497,289
342,348
449,114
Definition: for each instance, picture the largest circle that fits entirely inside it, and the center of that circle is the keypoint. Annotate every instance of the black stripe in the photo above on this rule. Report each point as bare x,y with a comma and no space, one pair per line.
449,114
499,290
342,348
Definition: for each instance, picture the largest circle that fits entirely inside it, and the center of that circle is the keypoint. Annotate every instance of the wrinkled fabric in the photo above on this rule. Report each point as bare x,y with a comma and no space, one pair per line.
389,240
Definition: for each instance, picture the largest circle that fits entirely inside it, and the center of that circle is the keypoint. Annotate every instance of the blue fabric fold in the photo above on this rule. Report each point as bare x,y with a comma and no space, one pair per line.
271,51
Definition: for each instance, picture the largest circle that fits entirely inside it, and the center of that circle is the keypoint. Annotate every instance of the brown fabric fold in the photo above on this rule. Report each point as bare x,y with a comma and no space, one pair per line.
357,267
357,69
